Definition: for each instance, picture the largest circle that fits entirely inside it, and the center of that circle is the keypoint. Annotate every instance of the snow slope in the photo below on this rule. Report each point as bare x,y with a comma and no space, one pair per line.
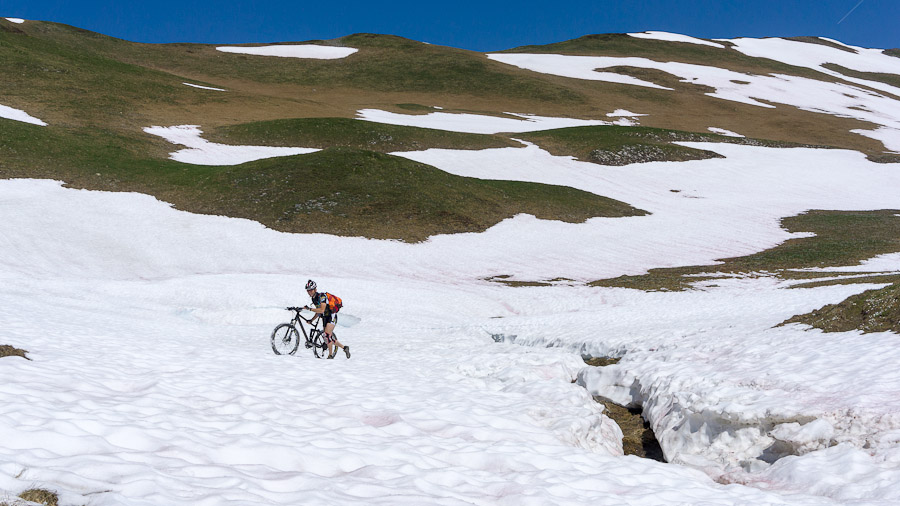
153,381
160,388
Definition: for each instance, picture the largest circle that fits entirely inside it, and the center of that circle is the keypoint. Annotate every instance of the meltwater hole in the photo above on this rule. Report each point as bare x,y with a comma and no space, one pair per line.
638,439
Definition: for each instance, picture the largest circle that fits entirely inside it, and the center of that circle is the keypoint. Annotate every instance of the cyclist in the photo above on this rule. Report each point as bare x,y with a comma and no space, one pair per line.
320,307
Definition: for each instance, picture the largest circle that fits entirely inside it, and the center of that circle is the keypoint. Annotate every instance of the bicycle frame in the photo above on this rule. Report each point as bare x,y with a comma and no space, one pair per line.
298,321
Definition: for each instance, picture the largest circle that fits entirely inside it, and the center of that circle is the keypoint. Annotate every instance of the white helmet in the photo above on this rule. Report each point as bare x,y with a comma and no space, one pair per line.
310,285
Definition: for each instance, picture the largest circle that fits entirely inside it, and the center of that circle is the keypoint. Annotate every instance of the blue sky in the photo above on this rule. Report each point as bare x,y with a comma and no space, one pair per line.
477,25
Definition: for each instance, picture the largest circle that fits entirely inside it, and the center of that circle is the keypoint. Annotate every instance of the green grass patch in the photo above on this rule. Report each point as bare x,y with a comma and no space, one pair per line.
69,84
895,52
344,132
842,238
345,191
416,107
870,311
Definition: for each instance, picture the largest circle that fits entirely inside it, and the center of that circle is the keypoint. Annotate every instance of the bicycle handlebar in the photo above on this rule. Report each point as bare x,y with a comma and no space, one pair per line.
298,309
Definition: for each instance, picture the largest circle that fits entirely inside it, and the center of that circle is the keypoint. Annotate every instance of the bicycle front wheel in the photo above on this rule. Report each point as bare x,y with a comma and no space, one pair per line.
285,339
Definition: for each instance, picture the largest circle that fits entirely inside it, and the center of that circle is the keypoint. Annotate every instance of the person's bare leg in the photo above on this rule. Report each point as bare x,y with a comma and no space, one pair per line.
331,340
329,329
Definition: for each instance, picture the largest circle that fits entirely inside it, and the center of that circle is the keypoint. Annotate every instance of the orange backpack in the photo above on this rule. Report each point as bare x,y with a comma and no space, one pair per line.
334,302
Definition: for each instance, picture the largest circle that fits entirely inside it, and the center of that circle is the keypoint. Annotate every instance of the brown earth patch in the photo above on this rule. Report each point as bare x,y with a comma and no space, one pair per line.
637,436
11,351
40,496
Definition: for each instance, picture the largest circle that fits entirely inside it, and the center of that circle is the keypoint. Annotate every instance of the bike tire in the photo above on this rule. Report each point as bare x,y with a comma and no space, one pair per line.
285,339
320,347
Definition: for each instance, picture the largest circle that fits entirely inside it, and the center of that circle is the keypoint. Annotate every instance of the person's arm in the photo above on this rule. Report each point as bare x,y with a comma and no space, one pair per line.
318,310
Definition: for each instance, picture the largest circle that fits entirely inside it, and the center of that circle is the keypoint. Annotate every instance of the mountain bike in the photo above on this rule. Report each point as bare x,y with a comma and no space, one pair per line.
286,338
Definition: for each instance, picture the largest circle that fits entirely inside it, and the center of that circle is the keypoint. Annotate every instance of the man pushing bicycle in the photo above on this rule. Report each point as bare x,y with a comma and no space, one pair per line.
326,306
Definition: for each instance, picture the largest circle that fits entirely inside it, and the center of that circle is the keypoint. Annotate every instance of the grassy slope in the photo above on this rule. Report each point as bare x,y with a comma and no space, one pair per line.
383,63
870,311
94,141
388,71
345,191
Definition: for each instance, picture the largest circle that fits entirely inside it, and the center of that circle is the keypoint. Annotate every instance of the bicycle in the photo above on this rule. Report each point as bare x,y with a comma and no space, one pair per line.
286,338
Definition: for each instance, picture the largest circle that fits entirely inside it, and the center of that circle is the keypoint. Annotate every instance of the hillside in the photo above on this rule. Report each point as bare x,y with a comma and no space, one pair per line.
97,93
528,244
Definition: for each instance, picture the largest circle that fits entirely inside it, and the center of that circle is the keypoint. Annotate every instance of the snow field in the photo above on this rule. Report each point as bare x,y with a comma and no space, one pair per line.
156,381
165,391
15,20
293,51
429,409
19,115
807,94
727,393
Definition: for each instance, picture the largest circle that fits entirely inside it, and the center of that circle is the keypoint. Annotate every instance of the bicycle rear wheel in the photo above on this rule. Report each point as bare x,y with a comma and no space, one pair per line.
285,339
320,348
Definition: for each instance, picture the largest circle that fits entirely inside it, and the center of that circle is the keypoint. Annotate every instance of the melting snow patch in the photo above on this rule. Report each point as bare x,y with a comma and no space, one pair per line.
722,131
577,67
293,51
623,112
883,263
674,37
203,152
19,115
477,123
16,20
890,137
202,87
